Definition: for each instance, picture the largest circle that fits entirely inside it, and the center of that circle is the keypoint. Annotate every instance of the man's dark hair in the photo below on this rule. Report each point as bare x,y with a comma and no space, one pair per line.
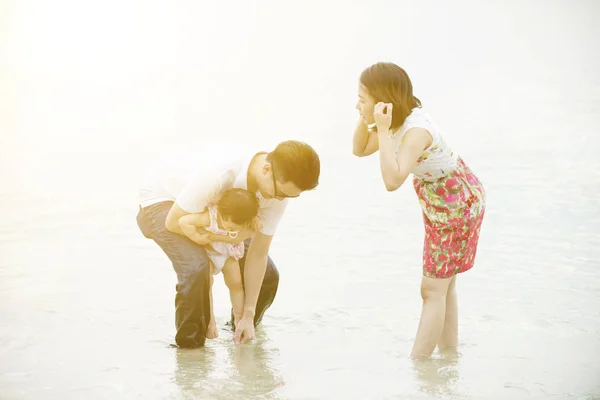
296,162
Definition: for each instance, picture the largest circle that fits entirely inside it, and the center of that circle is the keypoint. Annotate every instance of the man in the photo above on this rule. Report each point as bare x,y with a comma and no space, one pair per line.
184,184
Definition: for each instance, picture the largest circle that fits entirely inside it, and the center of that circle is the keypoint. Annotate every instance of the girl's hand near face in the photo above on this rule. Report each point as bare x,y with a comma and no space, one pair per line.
383,116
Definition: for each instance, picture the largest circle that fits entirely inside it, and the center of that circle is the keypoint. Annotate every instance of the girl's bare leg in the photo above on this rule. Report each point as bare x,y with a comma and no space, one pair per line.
449,339
212,332
233,280
433,313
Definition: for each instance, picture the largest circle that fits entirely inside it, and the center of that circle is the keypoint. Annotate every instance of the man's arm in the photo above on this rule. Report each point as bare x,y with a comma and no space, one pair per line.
190,225
195,197
173,217
254,271
255,267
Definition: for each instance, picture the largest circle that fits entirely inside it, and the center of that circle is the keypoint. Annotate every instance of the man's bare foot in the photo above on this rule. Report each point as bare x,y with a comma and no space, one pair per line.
212,332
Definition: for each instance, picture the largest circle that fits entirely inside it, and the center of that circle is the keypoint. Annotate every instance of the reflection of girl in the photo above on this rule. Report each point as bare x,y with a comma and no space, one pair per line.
451,196
235,211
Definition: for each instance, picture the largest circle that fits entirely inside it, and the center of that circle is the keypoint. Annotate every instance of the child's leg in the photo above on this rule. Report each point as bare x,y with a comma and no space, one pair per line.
233,280
212,332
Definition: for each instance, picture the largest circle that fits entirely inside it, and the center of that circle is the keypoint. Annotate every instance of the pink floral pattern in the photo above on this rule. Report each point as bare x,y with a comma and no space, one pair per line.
227,249
453,209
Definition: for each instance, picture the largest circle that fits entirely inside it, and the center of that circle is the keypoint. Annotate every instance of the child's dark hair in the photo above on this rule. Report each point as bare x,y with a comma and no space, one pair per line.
238,206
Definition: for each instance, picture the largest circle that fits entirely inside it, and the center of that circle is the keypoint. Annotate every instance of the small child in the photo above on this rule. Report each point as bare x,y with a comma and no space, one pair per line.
234,214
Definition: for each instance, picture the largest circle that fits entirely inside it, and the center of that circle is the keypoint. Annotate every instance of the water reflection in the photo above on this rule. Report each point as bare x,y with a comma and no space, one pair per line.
193,369
438,375
224,370
255,368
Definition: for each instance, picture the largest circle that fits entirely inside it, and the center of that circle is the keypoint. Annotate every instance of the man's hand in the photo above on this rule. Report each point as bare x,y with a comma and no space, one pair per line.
192,226
244,331
202,238
198,235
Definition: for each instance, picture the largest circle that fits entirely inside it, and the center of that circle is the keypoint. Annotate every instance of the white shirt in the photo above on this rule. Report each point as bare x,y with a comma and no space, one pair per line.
193,178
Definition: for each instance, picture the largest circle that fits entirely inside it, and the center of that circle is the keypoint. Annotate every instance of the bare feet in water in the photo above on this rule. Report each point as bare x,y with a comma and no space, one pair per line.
212,332
236,319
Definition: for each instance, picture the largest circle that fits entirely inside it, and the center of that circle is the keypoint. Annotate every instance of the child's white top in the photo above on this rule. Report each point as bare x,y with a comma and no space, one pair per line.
223,250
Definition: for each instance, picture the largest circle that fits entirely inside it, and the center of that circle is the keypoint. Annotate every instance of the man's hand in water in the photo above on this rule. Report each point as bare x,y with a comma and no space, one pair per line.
244,331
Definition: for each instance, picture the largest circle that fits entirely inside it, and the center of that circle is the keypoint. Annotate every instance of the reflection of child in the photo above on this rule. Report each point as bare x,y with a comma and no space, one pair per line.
235,212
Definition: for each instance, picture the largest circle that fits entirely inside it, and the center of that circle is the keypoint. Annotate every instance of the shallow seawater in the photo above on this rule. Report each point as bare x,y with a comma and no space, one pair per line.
87,303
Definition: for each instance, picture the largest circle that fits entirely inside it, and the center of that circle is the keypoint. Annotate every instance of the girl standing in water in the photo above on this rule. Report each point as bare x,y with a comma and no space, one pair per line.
451,196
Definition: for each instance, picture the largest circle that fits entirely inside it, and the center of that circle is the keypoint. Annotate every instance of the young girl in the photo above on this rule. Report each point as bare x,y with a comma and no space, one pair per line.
232,216
451,197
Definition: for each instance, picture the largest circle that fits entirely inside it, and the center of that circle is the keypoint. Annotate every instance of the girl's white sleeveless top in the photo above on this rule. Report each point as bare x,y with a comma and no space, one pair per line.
438,159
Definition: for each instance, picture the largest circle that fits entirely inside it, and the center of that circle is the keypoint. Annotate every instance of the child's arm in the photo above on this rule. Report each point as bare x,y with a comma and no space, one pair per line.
242,235
246,233
192,225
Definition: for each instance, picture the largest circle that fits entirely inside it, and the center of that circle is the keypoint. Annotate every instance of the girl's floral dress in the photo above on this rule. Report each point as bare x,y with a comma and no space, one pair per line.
453,202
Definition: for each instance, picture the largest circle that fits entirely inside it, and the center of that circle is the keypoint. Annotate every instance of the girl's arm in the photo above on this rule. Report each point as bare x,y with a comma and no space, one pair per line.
364,143
396,162
395,168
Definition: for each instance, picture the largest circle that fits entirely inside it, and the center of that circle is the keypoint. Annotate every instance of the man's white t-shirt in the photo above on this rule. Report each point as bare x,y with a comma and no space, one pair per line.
193,178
